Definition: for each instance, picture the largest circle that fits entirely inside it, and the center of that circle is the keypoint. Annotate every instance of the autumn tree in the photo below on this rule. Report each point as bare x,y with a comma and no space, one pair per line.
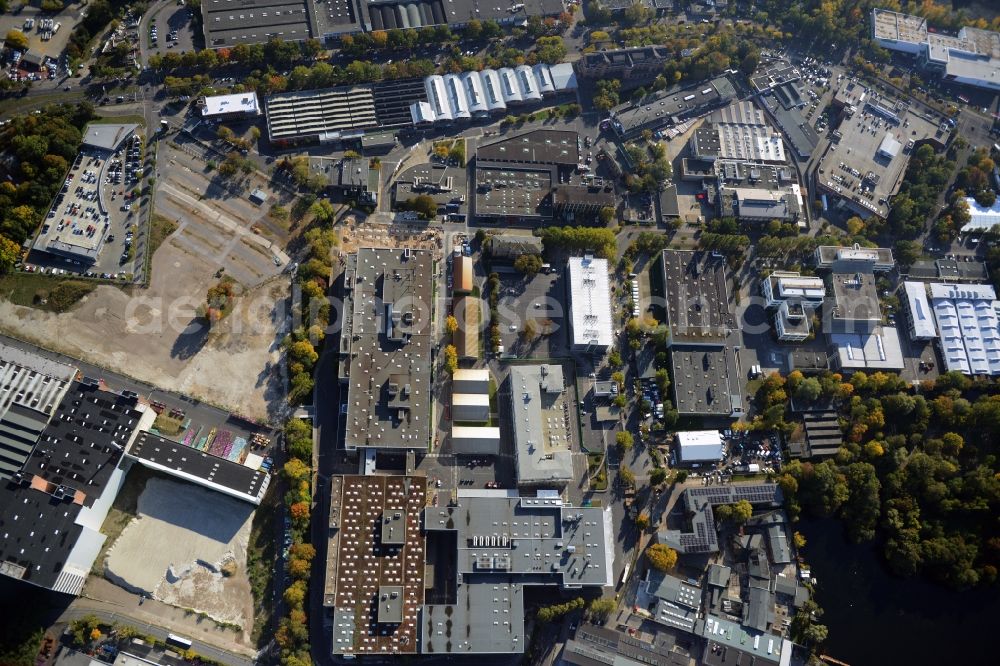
660,557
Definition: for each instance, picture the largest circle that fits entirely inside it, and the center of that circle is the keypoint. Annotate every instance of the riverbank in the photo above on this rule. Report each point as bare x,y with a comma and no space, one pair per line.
876,618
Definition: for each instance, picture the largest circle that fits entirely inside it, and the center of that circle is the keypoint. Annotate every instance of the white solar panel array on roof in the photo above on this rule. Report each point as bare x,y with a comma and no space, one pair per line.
968,318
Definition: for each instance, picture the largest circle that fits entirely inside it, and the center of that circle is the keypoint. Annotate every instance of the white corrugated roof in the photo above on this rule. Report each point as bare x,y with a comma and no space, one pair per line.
968,318
698,445
590,302
245,102
982,218
920,310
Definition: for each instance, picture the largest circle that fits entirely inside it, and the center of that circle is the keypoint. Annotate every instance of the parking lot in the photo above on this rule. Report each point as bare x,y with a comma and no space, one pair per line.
94,214
42,38
540,299
170,29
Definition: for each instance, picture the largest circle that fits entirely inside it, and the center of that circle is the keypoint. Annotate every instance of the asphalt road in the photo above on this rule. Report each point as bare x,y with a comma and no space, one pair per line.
101,610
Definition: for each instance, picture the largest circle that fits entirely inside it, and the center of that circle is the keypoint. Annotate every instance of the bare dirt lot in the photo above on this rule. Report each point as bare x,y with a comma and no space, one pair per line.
156,336
187,547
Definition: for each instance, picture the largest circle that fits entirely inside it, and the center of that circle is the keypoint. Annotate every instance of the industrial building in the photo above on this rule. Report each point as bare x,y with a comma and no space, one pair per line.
670,601
257,21
591,327
540,421
475,440
511,246
465,309
623,63
968,321
528,178
982,218
62,441
238,106
760,205
671,107
592,644
462,97
352,177
464,274
506,543
374,582
972,57
739,131
342,114
320,116
698,502
471,380
385,349
917,310
794,298
473,407
864,164
699,446
199,467
32,389
702,334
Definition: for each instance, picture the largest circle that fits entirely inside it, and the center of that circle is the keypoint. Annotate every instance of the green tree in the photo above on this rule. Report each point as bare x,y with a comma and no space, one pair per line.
615,359
423,205
528,264
657,476
808,390
660,557
607,215
601,608
624,439
626,476
323,211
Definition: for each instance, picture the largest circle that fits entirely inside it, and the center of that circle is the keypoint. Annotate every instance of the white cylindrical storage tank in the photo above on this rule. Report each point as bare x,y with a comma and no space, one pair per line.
456,97
543,78
509,89
526,80
474,93
437,98
491,89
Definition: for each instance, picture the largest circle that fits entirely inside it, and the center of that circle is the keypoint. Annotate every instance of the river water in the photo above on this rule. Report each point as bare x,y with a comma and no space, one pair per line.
876,618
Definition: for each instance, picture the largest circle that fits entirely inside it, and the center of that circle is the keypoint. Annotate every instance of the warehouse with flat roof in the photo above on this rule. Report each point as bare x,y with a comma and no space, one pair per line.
540,420
591,329
699,446
321,116
385,348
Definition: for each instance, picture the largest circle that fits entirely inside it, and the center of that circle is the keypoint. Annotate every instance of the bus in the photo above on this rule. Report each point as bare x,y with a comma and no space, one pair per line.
624,575
178,641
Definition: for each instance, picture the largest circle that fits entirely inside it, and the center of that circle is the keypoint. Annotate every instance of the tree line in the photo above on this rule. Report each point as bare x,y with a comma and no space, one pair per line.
42,148
917,471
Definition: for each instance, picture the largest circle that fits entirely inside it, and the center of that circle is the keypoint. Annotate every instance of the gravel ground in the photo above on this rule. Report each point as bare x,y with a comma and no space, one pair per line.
176,547
155,337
